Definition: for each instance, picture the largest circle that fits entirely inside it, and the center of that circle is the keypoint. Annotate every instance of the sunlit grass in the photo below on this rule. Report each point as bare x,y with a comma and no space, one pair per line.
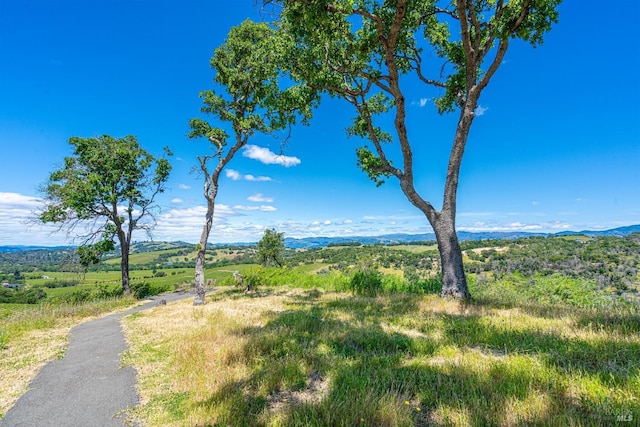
286,357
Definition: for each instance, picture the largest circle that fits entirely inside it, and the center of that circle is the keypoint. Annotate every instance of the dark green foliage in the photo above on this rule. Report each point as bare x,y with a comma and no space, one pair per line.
110,185
61,283
141,290
610,262
91,254
21,295
271,247
367,282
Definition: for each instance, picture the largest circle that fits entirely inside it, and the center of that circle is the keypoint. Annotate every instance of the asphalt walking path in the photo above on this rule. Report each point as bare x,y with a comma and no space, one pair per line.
87,387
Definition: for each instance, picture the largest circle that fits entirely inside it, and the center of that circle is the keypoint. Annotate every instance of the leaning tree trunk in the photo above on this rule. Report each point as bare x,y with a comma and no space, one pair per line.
200,256
454,281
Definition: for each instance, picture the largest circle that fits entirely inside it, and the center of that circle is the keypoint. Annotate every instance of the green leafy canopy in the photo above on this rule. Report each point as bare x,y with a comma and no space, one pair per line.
107,185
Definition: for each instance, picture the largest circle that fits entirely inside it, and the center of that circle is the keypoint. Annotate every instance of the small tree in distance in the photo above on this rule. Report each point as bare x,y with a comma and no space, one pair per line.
270,248
104,192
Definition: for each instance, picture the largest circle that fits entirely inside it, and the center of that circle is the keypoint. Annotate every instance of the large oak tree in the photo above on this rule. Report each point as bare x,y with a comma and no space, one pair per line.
105,191
365,52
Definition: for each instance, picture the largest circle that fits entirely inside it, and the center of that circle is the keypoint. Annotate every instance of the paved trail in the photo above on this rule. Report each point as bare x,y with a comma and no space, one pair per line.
87,387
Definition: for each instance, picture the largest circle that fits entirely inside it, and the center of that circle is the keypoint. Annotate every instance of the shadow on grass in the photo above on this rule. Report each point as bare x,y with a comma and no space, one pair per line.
474,374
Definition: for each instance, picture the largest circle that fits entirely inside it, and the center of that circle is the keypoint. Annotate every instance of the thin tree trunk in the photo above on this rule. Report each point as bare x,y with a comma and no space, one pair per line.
200,256
124,265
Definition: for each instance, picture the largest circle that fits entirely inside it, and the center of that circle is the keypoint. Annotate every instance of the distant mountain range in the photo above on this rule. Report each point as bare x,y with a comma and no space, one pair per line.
19,248
318,242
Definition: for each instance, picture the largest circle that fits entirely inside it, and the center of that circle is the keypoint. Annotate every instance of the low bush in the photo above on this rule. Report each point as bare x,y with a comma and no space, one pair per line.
515,289
140,289
366,282
21,296
284,276
61,283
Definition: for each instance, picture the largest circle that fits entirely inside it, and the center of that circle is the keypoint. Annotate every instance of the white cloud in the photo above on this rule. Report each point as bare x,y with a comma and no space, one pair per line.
250,177
18,224
262,208
315,223
184,187
233,174
348,221
480,110
177,200
268,157
517,226
392,217
327,222
260,198
236,176
422,102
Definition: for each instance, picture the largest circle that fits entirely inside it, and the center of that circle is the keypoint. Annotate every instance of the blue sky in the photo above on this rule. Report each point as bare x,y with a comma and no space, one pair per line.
557,146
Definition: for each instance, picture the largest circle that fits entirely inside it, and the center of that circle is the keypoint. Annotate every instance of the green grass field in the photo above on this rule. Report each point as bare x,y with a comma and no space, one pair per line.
143,257
290,357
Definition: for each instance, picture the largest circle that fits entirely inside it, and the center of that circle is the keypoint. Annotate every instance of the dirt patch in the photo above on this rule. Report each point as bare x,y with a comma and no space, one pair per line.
316,389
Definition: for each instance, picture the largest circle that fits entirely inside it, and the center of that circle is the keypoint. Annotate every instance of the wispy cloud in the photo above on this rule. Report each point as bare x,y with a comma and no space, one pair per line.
481,226
260,198
18,225
177,200
397,217
262,208
236,176
480,110
268,157
422,102
250,177
184,187
233,174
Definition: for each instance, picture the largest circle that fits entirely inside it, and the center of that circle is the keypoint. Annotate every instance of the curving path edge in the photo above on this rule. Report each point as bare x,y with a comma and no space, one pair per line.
88,386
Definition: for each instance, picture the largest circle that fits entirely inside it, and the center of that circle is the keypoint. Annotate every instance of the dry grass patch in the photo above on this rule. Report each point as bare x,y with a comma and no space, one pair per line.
35,335
308,358
21,361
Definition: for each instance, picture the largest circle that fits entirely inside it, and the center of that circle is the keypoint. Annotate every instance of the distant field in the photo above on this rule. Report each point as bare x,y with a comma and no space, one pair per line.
177,255
143,257
414,248
172,276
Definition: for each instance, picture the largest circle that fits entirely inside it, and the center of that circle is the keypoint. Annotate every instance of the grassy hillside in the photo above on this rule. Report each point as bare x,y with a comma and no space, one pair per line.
287,357
551,337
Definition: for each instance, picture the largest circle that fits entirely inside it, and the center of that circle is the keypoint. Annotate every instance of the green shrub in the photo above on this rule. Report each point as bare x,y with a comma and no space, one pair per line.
140,290
430,285
144,289
76,297
515,289
61,283
104,291
366,282
21,296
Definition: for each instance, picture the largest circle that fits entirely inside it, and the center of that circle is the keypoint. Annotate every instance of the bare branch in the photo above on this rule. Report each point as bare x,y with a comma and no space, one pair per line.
418,67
